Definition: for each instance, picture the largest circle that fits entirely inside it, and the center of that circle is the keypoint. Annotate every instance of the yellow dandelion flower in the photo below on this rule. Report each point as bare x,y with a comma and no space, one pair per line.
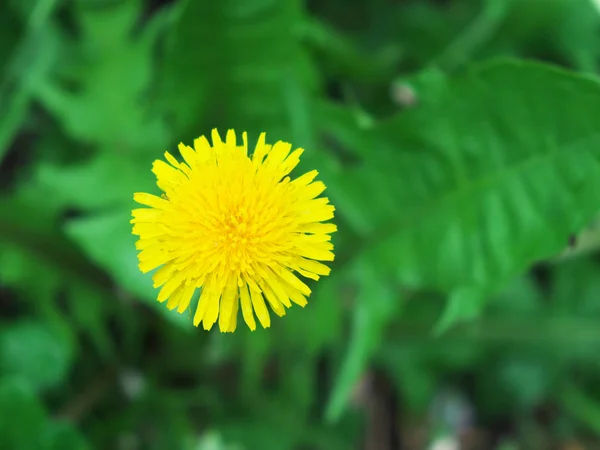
235,226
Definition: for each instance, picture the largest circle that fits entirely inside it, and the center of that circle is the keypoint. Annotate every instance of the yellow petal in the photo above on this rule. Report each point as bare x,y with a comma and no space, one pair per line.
186,297
247,312
258,302
169,287
276,305
150,200
261,150
202,307
234,314
213,310
227,301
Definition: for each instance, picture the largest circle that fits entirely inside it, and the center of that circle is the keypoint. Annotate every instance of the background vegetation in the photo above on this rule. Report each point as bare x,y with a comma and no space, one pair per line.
459,140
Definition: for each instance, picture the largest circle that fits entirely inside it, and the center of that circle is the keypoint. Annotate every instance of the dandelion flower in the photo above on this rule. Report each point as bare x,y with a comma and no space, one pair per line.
236,227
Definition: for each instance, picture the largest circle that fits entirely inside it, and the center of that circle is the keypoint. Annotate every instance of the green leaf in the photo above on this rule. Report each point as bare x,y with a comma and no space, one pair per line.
345,136
376,305
29,227
342,57
90,312
61,436
576,289
107,239
22,418
25,63
39,355
116,176
41,265
490,178
112,74
463,305
230,65
580,405
522,297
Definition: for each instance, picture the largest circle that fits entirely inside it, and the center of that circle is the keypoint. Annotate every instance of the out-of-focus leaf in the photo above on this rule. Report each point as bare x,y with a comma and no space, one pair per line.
475,36
106,180
38,354
426,28
576,289
491,178
228,65
343,57
24,64
24,424
112,76
41,264
107,239
578,36
344,135
464,304
376,305
32,229
581,405
61,436
527,380
22,418
522,297
90,312
11,32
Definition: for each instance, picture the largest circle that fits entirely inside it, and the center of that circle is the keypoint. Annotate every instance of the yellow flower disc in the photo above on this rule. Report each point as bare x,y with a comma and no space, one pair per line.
235,226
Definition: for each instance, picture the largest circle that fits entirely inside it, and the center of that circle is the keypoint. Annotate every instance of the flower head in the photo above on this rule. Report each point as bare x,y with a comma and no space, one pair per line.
235,226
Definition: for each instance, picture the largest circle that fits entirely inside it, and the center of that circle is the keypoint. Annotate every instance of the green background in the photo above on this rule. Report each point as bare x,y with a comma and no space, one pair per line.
460,143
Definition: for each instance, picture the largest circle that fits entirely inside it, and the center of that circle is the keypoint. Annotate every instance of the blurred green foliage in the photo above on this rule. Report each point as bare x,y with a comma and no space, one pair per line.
459,142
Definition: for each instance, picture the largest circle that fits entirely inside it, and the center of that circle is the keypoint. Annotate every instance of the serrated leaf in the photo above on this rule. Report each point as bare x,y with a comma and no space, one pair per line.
489,179
112,73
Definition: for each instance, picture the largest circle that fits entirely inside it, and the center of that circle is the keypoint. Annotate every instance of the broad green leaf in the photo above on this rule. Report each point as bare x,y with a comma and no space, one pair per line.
230,65
38,354
490,178
107,239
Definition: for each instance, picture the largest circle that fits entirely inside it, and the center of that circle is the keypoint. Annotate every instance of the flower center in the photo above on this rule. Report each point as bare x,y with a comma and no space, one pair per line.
237,239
